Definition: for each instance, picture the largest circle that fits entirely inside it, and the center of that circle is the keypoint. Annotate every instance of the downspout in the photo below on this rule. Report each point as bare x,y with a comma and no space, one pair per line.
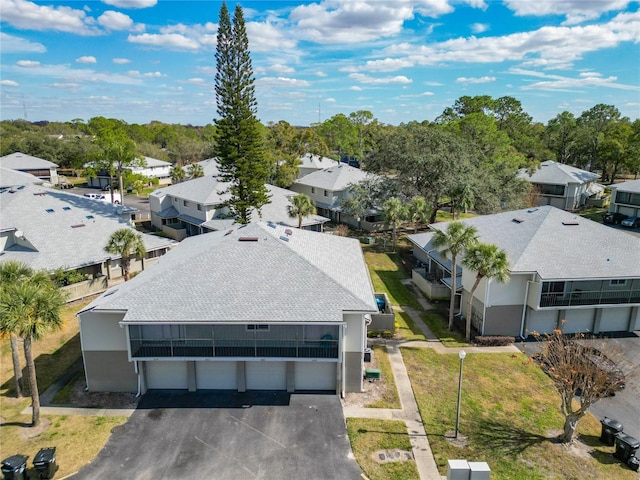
137,370
524,307
343,388
484,306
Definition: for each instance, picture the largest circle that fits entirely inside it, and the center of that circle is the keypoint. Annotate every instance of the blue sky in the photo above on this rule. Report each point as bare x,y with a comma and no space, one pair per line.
403,60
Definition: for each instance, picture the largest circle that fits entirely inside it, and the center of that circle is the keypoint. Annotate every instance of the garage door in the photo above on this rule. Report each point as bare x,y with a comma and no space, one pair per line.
315,376
166,375
615,319
541,321
578,321
266,375
216,376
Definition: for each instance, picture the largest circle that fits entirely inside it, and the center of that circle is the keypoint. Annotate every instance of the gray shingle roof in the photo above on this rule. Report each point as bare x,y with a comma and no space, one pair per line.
632,186
216,277
22,161
311,160
554,173
335,178
56,243
14,178
555,243
207,190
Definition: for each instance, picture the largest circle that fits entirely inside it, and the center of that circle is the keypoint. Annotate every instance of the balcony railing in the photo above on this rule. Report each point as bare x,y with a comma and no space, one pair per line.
153,348
580,298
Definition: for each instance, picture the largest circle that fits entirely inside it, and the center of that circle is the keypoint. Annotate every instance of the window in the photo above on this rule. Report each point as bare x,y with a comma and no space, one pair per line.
185,203
546,189
628,198
617,282
313,189
200,207
326,193
260,327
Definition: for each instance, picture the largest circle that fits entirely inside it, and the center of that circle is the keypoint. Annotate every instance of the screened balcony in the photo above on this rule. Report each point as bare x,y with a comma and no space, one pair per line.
594,292
255,340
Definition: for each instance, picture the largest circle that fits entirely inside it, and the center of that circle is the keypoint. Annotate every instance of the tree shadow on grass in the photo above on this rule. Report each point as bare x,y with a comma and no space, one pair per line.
49,366
506,438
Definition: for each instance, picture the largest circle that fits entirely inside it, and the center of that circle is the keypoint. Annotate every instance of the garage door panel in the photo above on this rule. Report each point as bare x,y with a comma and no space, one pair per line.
578,321
216,376
615,319
166,375
266,375
315,376
541,321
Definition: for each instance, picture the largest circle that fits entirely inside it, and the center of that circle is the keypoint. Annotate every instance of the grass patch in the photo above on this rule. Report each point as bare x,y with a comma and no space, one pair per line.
387,274
368,436
594,213
78,439
63,397
439,326
407,328
509,414
390,398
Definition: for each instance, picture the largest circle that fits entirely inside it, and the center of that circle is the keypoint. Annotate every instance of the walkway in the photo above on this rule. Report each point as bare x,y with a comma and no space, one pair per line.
409,413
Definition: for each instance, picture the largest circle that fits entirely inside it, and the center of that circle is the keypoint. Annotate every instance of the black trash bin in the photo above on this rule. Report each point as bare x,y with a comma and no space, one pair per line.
633,463
626,446
367,354
45,462
15,467
609,430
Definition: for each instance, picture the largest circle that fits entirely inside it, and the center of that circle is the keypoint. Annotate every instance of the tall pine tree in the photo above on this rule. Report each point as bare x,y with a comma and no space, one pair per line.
239,142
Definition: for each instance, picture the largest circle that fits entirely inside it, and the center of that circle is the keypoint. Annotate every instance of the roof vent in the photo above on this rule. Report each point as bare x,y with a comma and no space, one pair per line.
40,194
571,222
288,232
271,224
247,239
78,225
517,220
283,238
49,210
531,210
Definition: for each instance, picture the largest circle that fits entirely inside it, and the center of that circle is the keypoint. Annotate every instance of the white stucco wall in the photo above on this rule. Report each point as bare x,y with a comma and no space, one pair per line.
511,293
101,331
354,338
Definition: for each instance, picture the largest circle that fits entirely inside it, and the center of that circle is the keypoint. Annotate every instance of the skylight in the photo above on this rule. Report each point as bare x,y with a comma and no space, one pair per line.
66,209
90,217
49,210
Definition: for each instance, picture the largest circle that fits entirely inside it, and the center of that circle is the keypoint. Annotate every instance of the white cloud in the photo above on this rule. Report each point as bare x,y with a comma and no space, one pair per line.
575,11
118,21
196,81
131,3
481,4
9,83
330,100
66,86
169,40
388,64
27,63
86,59
267,37
283,82
355,88
362,78
562,83
417,95
471,80
154,75
353,21
12,44
121,61
279,68
30,16
479,27
320,73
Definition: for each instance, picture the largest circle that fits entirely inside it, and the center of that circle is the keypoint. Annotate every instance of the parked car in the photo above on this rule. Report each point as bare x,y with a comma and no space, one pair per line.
106,188
614,218
633,222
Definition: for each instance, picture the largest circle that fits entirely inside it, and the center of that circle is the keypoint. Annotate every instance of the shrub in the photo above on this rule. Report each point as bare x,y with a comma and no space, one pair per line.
494,341
63,278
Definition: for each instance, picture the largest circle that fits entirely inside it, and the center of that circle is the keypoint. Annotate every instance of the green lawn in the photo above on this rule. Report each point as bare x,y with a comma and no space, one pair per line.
439,326
369,436
386,274
390,398
509,414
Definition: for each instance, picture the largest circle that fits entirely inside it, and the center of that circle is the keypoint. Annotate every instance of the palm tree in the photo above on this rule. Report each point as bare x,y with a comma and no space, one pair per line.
177,174
451,242
488,261
195,170
419,211
10,274
301,206
394,212
32,310
126,243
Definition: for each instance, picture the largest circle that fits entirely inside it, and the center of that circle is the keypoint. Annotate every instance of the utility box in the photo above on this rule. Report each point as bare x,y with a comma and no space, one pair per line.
458,470
479,471
367,354
372,374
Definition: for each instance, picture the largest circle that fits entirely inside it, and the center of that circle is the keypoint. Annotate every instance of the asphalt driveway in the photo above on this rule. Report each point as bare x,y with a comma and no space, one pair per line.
229,436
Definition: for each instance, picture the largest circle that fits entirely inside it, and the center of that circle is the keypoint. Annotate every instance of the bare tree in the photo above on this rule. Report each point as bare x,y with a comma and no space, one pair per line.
581,373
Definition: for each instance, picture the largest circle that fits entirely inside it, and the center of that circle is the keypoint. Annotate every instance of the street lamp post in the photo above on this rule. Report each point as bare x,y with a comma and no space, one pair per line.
461,354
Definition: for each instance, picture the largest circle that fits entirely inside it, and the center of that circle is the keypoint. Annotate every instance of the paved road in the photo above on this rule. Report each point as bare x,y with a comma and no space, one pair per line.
130,200
229,436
